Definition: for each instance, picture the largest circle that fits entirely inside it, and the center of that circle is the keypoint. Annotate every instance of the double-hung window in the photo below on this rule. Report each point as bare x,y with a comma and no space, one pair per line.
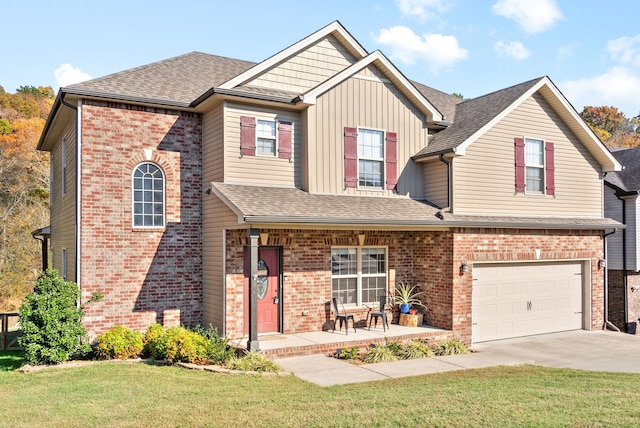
266,133
370,158
534,161
148,196
358,274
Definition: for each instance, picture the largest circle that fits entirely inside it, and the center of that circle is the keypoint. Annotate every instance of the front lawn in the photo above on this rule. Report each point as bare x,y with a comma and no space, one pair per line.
142,395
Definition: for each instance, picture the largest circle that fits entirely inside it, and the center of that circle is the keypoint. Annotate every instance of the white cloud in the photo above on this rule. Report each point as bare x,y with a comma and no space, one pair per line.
533,16
437,51
513,49
423,9
67,75
618,87
625,50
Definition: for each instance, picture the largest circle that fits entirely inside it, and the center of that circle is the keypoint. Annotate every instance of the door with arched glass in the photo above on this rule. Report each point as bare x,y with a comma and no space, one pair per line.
268,284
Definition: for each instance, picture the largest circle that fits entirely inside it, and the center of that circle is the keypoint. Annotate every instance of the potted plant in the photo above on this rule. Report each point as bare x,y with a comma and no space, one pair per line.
406,296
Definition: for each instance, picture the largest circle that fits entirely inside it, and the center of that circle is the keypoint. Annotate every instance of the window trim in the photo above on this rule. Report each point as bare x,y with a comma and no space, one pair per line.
382,160
164,198
359,275
541,168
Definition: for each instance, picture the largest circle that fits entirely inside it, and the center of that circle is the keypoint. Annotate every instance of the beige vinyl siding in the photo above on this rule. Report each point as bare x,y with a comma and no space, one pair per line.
213,146
63,209
259,169
216,218
436,182
308,68
368,103
484,177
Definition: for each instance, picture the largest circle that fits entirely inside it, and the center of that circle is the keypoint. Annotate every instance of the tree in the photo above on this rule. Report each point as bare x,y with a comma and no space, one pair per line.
611,126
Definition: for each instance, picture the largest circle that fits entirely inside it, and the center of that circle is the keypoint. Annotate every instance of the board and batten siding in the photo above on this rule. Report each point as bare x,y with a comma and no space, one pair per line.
217,218
260,169
63,207
213,146
436,182
308,68
613,210
369,103
484,177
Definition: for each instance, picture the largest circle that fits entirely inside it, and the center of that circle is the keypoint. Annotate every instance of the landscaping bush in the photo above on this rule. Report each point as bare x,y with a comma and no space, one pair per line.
416,349
350,353
254,362
119,342
184,345
154,344
218,349
51,322
380,354
450,347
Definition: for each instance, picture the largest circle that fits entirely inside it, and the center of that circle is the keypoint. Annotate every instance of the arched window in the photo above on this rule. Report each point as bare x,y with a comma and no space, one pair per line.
148,196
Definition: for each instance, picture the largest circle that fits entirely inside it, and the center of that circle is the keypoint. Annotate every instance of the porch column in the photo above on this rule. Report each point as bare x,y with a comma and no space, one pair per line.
252,344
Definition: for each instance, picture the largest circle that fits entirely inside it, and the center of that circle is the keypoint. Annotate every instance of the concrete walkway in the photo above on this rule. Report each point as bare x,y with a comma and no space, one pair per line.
596,350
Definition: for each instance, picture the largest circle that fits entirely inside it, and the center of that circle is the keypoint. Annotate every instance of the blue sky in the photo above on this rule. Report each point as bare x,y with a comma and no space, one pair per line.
589,48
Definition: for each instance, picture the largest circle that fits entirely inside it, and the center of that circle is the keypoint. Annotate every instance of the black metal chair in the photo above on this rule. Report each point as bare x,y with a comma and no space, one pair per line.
342,316
380,314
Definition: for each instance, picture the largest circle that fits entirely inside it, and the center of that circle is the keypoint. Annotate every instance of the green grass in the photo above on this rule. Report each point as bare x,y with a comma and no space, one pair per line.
140,395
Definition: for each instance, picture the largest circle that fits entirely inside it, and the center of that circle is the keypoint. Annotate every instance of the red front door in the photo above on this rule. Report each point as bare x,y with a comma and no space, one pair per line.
267,285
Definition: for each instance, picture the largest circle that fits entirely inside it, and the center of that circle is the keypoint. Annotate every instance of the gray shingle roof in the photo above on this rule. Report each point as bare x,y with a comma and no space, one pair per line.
290,205
445,103
473,114
179,80
627,180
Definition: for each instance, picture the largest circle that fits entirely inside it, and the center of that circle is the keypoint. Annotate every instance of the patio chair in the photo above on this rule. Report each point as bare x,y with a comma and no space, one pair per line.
343,316
380,314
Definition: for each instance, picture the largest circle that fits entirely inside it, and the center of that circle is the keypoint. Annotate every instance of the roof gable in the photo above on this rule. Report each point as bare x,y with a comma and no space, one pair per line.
475,117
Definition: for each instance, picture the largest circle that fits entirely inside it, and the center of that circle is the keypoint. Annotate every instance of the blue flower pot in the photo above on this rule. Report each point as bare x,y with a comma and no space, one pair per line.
404,308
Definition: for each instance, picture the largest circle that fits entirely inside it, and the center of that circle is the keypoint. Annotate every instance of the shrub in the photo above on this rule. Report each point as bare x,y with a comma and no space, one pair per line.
154,344
450,347
350,353
394,346
416,349
51,321
119,342
183,345
254,362
379,354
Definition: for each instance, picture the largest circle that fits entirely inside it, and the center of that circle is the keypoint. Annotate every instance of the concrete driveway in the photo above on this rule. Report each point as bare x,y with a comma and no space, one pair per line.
585,350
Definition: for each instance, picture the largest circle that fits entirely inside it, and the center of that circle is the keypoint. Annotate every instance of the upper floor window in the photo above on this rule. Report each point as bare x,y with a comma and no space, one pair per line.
358,274
265,137
148,196
370,157
266,133
370,160
534,166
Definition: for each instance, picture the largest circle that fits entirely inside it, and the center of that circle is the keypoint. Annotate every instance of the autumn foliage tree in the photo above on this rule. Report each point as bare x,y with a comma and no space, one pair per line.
24,190
612,126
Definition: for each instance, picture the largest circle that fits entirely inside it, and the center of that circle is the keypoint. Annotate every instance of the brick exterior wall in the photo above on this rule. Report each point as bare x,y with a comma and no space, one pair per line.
145,275
616,298
430,259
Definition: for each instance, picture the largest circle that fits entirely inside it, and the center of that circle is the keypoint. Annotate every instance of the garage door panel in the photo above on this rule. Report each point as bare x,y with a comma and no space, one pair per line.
511,300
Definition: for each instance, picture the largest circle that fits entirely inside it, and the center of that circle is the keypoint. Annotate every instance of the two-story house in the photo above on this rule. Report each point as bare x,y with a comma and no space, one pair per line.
324,172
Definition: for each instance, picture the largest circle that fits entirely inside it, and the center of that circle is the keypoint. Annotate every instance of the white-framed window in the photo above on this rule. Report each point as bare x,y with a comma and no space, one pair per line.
63,264
148,195
64,167
358,274
266,137
534,165
370,158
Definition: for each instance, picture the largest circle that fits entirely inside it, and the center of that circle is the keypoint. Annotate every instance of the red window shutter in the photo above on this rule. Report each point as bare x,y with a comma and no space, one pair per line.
549,169
391,158
284,140
519,163
247,136
350,157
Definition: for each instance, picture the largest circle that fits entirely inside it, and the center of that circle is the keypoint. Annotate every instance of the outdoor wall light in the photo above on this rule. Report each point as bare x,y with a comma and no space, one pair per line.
464,268
602,263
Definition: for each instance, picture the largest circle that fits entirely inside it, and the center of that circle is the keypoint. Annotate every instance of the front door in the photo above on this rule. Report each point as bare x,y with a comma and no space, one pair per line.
268,286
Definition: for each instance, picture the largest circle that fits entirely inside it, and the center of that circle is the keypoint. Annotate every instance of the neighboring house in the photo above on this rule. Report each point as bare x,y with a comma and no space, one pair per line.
622,189
324,172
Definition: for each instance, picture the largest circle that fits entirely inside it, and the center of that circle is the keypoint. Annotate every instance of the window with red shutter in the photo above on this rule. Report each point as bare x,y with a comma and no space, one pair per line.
247,136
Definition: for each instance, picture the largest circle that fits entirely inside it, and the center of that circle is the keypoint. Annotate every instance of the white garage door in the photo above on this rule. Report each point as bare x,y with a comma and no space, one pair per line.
520,299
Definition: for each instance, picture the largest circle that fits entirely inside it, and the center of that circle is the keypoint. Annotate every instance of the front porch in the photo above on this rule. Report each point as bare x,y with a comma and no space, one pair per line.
326,342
